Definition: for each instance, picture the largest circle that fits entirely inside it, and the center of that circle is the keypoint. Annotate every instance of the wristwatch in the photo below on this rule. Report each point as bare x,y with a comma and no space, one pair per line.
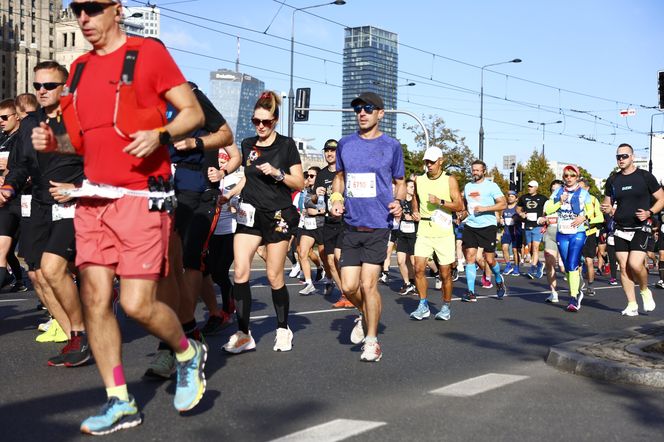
164,136
281,175
199,143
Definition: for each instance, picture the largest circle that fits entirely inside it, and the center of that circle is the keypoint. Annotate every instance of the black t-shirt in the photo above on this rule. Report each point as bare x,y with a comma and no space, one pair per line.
532,204
324,179
262,191
631,192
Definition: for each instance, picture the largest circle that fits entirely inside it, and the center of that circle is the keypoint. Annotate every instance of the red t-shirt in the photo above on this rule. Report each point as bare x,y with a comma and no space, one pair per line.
104,160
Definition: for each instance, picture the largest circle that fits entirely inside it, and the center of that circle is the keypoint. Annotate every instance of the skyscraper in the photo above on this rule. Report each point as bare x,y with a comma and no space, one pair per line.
370,64
234,94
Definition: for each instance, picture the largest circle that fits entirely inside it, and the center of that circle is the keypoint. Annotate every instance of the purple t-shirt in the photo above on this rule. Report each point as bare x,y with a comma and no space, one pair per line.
369,167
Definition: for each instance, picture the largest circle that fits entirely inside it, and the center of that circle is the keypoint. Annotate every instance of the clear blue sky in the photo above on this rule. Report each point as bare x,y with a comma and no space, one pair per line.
607,49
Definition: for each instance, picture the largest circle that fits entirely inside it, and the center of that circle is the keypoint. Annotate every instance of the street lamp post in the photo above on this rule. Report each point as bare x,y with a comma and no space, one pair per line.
516,60
652,117
544,129
291,92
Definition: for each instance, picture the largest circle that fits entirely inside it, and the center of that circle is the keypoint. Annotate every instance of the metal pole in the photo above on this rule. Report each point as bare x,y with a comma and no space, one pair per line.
481,152
291,92
543,132
652,117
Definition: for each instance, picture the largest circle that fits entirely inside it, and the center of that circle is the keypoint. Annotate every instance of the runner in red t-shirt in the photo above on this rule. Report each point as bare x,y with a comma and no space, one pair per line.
121,236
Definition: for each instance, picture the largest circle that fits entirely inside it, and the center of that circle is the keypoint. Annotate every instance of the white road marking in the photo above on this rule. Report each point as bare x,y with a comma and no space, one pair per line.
338,429
311,312
477,385
12,300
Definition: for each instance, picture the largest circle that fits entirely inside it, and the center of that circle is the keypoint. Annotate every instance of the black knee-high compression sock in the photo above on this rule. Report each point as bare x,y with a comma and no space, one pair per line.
281,306
3,275
242,296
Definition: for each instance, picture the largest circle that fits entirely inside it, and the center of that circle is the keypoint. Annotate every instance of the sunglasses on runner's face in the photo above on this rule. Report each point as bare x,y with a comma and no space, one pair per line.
368,108
90,8
257,122
622,156
567,175
48,86
311,176
6,117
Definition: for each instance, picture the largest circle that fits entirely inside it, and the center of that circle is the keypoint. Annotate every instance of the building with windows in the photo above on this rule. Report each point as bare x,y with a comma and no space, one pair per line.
370,63
27,36
234,94
141,20
69,41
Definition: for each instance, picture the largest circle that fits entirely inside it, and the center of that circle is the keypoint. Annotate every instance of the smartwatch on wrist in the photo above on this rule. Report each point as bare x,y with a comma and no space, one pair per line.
199,143
281,175
164,136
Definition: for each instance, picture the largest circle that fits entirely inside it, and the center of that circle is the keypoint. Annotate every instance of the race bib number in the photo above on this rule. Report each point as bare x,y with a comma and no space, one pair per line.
509,221
361,185
310,224
565,226
26,203
300,224
245,214
63,211
531,216
551,220
661,228
627,236
442,219
407,227
611,241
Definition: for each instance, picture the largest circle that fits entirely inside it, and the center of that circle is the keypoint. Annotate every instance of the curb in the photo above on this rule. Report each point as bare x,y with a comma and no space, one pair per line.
566,357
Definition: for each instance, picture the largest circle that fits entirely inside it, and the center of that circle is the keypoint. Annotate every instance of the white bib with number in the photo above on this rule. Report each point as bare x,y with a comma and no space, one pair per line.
361,185
245,214
531,216
442,219
509,221
407,227
26,203
63,211
627,236
310,224
611,240
565,226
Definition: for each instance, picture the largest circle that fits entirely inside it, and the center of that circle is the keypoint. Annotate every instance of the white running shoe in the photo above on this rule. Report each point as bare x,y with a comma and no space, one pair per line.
648,301
630,312
45,325
357,334
294,271
553,297
308,289
371,352
240,342
283,340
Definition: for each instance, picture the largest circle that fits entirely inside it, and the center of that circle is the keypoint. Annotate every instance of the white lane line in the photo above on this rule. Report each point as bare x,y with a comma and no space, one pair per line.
338,429
477,385
311,312
12,300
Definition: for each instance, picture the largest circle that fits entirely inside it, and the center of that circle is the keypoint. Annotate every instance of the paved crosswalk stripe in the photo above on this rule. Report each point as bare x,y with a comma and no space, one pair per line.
477,385
338,429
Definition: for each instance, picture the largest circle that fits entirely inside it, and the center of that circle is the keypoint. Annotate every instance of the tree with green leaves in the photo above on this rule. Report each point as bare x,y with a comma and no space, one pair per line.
591,183
499,179
457,156
413,161
537,168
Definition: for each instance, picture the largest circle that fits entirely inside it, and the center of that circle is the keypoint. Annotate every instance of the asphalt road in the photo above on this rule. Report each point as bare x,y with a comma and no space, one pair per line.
321,390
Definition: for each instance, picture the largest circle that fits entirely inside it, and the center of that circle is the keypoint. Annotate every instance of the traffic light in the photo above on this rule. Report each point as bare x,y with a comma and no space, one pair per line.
512,181
519,184
302,97
660,83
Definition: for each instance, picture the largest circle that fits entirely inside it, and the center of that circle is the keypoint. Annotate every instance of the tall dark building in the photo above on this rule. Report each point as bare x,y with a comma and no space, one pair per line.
370,64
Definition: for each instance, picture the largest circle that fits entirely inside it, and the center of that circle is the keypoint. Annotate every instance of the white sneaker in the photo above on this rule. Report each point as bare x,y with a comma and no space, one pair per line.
294,271
357,334
45,325
240,342
308,289
648,301
371,352
553,297
283,340
630,312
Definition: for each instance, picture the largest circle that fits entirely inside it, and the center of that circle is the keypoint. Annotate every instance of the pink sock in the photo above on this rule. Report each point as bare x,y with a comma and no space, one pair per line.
118,376
184,343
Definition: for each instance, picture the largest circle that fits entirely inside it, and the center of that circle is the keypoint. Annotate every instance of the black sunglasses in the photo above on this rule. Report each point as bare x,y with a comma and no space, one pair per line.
622,156
368,108
90,8
257,122
311,176
48,86
6,117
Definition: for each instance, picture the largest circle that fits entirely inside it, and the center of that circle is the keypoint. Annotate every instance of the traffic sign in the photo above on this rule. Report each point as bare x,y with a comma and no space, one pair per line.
508,161
627,112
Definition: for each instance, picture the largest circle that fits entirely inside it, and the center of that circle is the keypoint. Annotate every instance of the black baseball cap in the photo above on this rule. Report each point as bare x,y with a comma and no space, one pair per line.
330,144
369,98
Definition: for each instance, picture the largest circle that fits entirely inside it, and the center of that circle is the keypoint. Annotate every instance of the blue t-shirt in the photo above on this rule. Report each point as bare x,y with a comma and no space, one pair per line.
481,194
369,167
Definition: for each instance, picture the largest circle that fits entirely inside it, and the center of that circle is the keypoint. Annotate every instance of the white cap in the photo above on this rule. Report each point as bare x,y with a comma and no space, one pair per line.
432,153
533,183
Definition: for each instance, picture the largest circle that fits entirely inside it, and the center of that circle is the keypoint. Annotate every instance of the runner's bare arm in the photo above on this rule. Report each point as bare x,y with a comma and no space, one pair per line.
456,205
223,136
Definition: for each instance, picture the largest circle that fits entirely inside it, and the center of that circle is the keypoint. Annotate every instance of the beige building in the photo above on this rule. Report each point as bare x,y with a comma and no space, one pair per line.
27,37
69,40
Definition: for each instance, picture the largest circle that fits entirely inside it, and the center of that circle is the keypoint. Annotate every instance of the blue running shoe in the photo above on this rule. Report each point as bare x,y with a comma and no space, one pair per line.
422,311
444,314
573,305
516,271
540,270
469,297
509,268
500,289
191,379
115,415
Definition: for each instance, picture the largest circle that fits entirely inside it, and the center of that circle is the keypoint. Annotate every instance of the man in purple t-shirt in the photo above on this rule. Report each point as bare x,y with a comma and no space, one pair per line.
368,162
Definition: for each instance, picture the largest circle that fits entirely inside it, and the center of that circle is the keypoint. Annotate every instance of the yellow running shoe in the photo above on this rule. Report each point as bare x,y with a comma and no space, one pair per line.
55,333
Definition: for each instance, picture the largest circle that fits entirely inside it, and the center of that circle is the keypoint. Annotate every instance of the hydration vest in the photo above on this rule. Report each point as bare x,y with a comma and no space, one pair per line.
128,115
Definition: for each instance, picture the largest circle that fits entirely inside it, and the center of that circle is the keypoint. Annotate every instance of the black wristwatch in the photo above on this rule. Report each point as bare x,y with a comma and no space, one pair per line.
199,143
281,175
164,137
